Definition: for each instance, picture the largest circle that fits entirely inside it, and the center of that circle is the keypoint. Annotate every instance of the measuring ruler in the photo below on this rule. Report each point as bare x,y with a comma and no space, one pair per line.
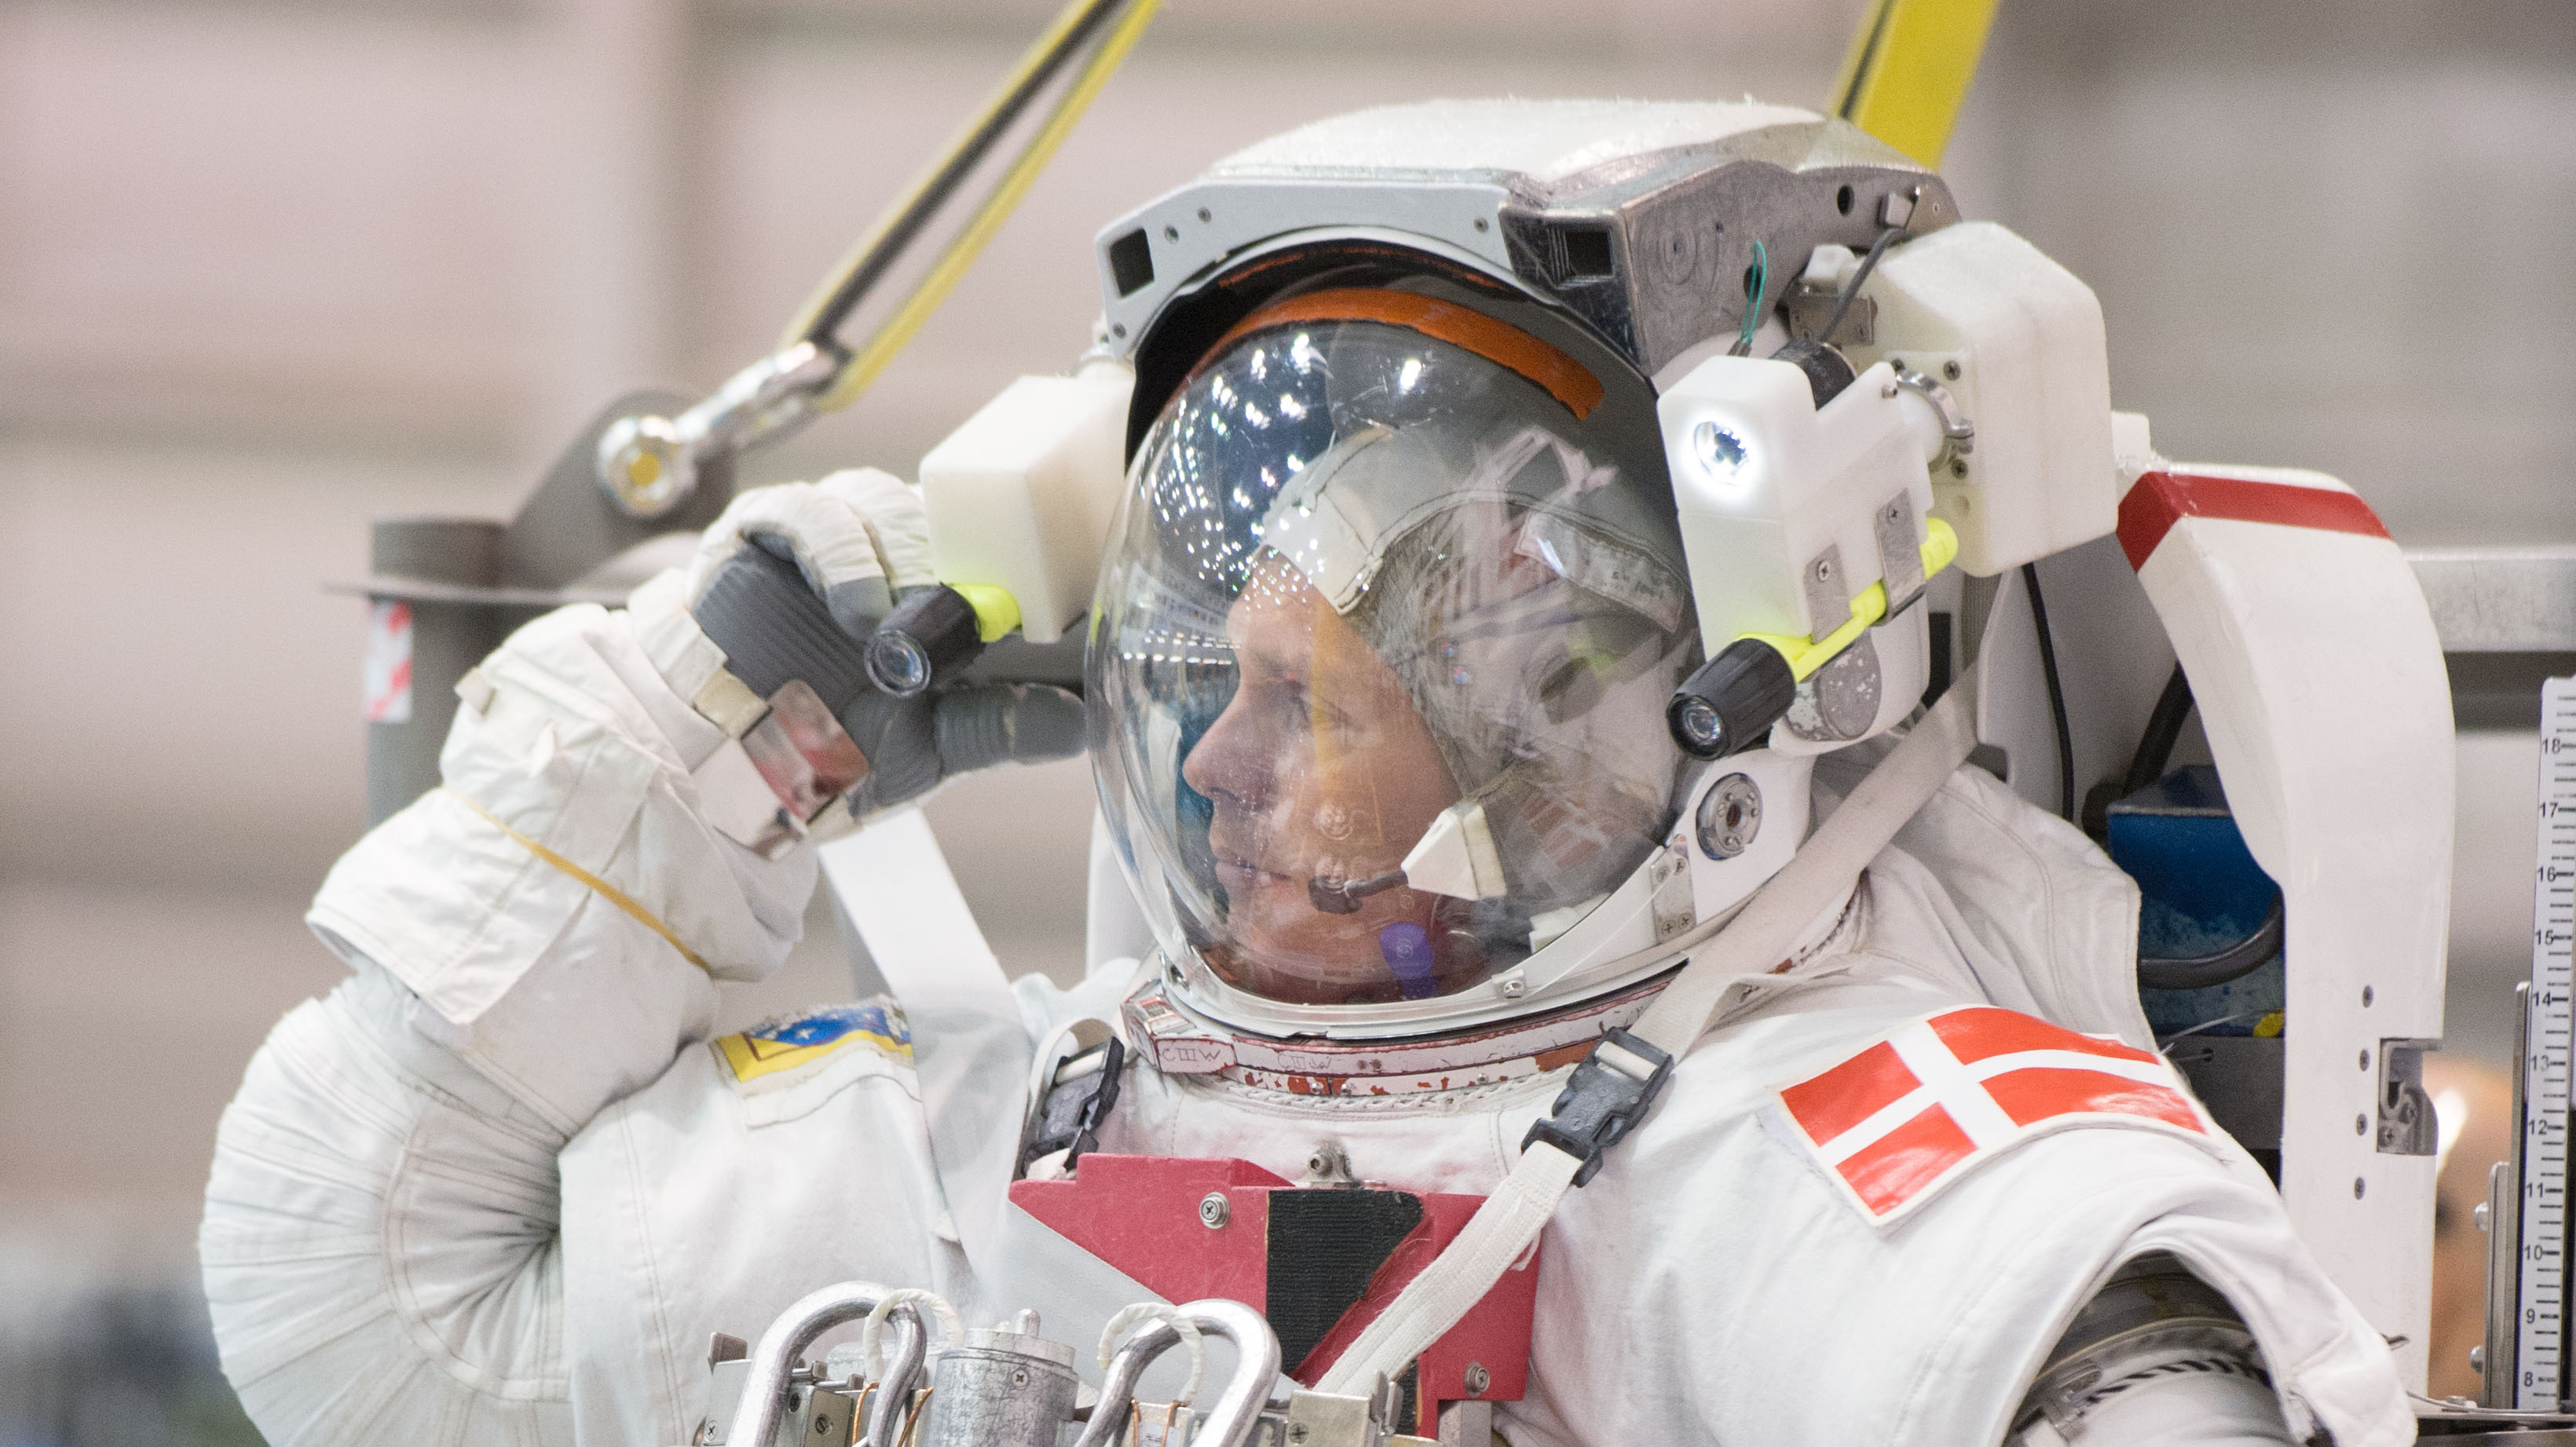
2539,1350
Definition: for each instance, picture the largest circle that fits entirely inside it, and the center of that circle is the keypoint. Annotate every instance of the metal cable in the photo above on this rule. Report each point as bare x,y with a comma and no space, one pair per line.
2056,693
868,261
2163,731
943,276
1851,288
1757,280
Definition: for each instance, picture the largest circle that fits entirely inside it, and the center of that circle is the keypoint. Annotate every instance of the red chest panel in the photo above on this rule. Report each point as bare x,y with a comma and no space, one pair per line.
1320,1264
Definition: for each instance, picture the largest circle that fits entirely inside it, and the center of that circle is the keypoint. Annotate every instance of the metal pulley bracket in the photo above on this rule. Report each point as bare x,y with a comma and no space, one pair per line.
651,464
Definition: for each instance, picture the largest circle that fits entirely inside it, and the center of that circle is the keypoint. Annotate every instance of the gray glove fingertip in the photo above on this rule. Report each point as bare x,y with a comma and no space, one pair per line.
1007,723
1049,723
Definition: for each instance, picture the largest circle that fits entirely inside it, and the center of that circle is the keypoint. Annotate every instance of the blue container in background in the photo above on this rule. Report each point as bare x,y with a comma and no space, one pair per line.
2202,892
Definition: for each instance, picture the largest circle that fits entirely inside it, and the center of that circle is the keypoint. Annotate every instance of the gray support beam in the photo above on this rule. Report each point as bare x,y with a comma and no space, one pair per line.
2500,599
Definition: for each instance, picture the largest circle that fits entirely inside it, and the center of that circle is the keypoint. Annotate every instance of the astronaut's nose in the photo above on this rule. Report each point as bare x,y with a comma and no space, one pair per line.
1226,765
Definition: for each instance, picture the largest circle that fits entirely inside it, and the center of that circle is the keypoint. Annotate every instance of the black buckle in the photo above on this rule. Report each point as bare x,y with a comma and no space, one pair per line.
1069,1116
1604,1100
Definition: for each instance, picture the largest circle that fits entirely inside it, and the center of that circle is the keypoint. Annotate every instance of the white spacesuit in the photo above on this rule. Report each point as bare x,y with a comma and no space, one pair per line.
1378,691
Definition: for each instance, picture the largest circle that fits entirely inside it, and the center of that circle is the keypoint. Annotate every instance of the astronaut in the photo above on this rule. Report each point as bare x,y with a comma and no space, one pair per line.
1380,694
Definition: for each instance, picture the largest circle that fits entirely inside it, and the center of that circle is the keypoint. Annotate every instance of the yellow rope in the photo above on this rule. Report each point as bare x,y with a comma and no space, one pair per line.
1019,76
898,331
602,887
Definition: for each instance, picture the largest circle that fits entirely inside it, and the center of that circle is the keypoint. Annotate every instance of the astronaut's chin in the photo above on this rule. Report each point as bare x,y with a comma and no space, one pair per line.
1301,973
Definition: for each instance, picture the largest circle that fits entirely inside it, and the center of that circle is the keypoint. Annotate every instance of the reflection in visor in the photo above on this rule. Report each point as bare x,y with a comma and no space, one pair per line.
1382,654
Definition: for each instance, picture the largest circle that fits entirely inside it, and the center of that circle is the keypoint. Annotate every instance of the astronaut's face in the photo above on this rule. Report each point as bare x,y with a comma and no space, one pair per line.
1320,767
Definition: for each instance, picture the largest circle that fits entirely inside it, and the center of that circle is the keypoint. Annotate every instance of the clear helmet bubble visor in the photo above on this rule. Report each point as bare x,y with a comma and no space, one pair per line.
1380,656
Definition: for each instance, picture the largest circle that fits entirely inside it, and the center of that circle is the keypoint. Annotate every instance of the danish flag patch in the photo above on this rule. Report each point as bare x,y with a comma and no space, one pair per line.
1919,1108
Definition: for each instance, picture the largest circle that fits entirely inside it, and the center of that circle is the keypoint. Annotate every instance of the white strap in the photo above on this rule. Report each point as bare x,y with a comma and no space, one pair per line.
1753,942
894,879
970,1049
1441,1296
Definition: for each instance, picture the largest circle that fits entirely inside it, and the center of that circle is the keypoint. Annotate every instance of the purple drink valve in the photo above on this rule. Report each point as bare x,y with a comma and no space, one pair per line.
1407,948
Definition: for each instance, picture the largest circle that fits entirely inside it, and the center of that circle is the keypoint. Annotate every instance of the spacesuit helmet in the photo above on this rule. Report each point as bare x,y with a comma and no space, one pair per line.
1406,592
1382,649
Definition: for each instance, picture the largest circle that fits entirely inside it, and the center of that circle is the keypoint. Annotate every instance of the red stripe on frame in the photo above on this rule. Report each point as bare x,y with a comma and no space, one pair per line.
1888,1172
2161,499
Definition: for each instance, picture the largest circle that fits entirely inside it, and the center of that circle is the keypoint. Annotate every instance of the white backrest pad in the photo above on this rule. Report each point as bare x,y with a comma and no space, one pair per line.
2320,685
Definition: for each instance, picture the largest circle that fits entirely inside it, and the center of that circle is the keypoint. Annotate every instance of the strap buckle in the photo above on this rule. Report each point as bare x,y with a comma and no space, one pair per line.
1069,1115
1609,1093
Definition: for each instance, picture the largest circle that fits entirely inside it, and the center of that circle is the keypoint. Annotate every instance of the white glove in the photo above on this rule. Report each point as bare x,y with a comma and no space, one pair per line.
858,536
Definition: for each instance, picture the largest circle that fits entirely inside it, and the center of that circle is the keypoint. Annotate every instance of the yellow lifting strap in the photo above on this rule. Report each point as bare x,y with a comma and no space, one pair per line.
1908,71
872,356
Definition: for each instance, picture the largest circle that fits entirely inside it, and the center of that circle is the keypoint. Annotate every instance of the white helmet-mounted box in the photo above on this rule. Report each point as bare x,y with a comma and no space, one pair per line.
1020,497
2017,340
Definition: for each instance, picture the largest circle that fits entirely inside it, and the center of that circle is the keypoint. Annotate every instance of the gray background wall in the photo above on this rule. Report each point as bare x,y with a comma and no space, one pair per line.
272,266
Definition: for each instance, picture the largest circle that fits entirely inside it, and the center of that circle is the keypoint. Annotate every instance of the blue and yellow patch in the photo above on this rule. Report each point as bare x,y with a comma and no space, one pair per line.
785,1044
